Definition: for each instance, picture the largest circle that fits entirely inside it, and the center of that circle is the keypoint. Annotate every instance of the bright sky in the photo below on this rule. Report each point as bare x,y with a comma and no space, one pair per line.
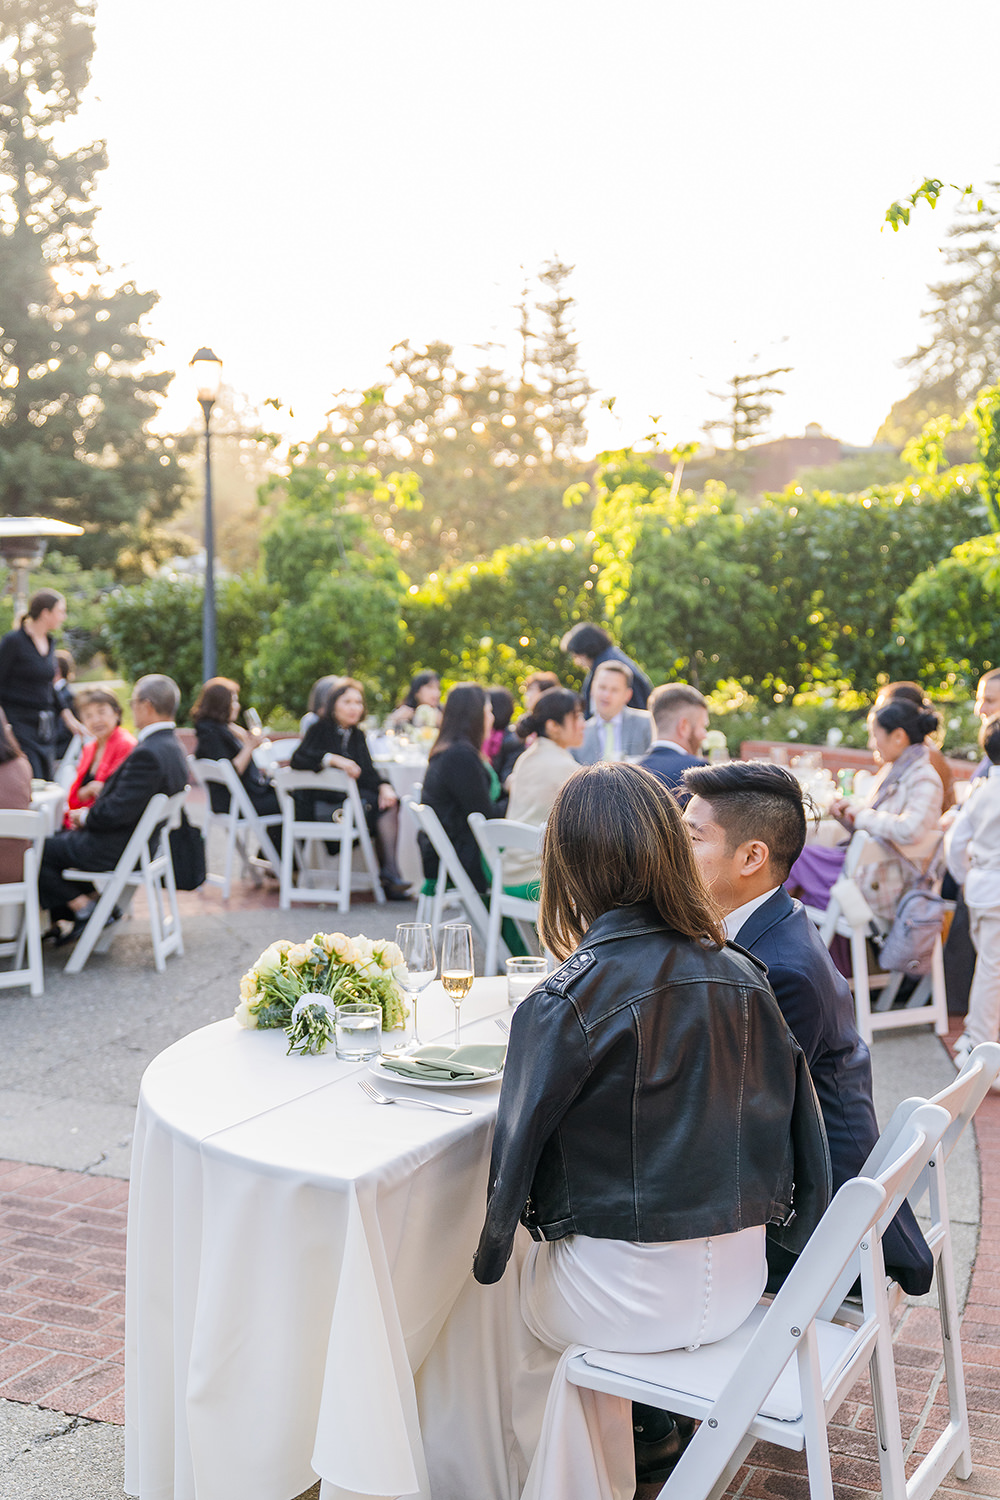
307,182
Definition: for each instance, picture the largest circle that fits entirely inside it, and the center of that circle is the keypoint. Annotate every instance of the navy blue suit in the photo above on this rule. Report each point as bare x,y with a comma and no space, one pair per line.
816,1002
670,765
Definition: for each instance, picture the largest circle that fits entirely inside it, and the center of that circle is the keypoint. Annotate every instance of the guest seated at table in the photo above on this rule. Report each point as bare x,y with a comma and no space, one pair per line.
318,694
680,723
615,731
101,715
556,726
336,740
220,736
912,692
645,1130
15,795
590,646
422,705
534,686
503,746
460,779
901,808
747,822
157,764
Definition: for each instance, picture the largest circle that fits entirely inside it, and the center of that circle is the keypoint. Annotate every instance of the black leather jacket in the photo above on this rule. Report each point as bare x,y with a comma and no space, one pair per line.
652,1092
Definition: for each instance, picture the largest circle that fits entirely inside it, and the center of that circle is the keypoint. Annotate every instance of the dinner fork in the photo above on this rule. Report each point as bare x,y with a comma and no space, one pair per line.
504,1025
448,1109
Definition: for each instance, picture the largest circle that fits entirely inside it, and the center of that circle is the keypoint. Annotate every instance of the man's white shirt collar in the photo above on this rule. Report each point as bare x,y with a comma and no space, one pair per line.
142,734
669,745
736,919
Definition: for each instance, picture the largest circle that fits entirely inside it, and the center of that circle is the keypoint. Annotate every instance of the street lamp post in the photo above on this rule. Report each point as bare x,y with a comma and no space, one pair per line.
208,373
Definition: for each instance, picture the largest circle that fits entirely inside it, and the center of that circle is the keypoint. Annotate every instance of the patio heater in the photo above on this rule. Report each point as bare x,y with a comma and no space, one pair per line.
207,368
23,540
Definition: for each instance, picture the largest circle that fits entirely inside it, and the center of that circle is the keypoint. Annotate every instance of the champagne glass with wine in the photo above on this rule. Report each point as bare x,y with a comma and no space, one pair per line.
457,967
416,943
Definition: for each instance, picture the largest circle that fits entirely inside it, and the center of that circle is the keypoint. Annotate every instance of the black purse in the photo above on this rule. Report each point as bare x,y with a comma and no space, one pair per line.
187,852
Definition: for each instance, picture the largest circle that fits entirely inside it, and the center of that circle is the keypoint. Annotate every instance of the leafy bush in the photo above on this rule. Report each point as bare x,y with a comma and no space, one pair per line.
156,627
948,620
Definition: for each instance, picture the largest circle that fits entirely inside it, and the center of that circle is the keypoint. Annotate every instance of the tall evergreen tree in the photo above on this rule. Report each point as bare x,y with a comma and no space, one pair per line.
73,402
564,388
962,354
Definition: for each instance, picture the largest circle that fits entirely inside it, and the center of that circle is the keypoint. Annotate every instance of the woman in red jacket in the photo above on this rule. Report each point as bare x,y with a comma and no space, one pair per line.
101,715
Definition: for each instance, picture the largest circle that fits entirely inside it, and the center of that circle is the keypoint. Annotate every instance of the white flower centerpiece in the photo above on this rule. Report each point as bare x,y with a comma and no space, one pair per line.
298,986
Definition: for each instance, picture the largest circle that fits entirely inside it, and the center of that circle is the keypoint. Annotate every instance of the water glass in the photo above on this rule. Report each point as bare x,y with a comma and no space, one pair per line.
358,1028
522,976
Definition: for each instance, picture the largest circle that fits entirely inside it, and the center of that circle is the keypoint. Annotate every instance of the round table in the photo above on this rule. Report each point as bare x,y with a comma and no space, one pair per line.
299,1292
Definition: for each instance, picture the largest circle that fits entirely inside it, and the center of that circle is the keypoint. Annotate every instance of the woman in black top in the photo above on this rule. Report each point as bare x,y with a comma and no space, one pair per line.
27,670
460,779
219,737
336,740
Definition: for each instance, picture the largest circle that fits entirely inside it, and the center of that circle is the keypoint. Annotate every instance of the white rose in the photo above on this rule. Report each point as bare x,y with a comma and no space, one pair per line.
269,961
245,1016
392,954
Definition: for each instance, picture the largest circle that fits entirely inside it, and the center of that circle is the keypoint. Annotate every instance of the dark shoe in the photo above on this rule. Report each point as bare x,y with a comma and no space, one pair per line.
395,890
659,1439
80,920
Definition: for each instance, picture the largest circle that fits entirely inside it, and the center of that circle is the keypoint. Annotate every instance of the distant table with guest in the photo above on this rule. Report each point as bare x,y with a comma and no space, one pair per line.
300,1299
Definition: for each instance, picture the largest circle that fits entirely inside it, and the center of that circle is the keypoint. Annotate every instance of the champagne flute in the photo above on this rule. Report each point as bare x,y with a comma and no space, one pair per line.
416,943
457,967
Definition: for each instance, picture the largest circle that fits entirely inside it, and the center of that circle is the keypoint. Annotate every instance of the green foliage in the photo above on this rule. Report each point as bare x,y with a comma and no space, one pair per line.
156,627
948,620
929,191
986,419
338,582
498,620
74,393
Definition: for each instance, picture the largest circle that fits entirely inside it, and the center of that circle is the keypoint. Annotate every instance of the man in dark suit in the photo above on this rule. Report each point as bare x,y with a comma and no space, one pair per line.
748,826
680,724
157,764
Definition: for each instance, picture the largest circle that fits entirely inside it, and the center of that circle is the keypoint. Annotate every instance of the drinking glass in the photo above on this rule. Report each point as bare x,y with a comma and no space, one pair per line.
416,943
457,968
522,976
358,1031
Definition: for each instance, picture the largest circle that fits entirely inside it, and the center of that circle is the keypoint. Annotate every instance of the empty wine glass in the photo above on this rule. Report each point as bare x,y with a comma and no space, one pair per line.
457,967
416,943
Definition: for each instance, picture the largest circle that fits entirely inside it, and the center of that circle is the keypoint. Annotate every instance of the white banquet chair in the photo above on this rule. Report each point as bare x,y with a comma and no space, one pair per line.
784,1373
847,915
452,882
494,837
27,943
138,868
245,830
302,835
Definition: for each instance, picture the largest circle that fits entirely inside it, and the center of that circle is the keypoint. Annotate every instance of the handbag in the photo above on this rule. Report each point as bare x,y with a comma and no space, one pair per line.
908,947
187,854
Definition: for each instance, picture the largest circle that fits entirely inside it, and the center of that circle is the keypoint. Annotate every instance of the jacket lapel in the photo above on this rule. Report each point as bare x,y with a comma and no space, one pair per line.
774,910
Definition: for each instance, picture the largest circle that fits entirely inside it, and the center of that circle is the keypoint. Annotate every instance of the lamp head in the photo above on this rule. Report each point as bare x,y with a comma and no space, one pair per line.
207,367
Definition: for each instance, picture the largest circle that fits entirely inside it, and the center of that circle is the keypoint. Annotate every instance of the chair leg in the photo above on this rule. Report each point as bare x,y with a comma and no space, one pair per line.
287,857
98,921
939,993
346,860
493,931
33,936
862,992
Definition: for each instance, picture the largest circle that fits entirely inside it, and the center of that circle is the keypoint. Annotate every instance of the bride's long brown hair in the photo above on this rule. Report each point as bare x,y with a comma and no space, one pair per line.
615,838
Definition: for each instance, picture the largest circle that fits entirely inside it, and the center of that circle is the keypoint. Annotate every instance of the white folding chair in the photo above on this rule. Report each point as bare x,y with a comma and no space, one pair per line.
301,835
451,873
23,824
952,1449
849,917
67,767
245,830
494,836
138,868
782,1375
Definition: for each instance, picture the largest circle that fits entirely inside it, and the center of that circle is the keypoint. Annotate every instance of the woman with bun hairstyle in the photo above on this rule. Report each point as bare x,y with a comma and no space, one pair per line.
556,722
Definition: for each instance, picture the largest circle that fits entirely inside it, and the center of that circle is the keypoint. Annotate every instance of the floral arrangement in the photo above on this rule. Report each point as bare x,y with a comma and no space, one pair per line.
297,986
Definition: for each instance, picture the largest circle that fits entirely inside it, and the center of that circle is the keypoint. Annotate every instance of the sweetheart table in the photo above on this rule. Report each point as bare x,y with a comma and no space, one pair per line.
300,1300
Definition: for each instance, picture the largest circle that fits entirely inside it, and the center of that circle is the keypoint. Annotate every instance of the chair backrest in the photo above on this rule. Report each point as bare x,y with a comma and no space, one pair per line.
223,773
429,823
496,835
286,782
865,850
24,823
890,1163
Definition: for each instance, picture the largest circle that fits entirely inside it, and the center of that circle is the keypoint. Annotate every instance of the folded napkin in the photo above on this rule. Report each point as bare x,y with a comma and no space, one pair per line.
450,1064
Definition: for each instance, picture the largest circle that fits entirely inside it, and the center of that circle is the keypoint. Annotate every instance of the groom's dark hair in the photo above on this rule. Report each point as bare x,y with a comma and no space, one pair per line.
753,799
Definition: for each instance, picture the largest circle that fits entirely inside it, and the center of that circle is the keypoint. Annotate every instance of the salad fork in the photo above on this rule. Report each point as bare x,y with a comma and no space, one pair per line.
448,1109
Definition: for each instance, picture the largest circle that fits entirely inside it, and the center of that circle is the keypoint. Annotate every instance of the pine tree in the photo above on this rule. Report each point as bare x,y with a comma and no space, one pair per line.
73,404
962,354
564,387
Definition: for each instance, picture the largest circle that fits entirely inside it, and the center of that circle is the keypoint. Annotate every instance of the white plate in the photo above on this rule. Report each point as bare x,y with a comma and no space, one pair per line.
387,1075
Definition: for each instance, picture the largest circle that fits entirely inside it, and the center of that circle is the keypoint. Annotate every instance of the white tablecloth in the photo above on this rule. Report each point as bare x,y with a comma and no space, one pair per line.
296,1254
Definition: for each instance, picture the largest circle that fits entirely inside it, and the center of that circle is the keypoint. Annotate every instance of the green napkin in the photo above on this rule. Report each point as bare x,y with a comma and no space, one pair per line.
450,1064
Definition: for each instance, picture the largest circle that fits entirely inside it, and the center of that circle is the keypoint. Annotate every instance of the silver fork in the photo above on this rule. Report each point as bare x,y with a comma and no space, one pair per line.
504,1025
448,1109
